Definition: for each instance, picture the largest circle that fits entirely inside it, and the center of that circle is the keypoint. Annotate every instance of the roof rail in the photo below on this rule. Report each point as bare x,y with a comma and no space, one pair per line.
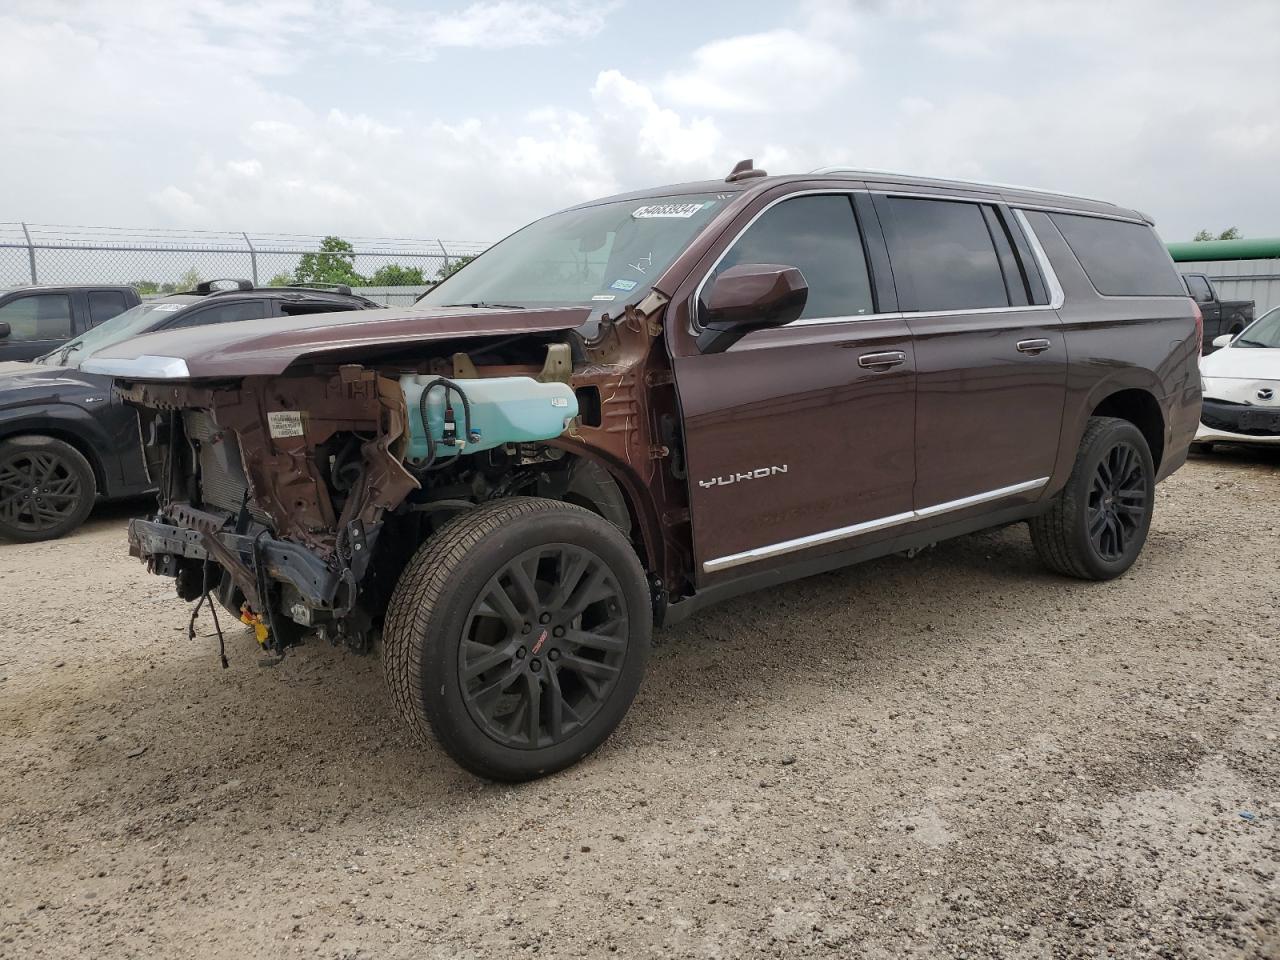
206,286
839,168
341,288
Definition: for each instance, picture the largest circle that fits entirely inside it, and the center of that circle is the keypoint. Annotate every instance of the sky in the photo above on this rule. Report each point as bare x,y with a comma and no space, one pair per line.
465,120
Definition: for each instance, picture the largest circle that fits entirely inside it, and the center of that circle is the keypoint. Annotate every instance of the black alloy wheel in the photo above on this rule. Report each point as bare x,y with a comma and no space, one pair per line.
1118,501
1095,527
543,646
46,488
517,636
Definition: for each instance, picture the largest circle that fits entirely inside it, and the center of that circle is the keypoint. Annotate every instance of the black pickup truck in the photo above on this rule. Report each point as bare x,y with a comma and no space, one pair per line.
37,319
1220,316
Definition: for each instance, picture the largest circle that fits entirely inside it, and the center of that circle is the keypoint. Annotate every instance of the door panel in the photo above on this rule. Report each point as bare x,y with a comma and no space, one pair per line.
988,415
788,436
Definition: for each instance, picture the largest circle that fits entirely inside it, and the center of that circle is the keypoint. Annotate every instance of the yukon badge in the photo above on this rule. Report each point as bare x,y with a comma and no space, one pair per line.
758,474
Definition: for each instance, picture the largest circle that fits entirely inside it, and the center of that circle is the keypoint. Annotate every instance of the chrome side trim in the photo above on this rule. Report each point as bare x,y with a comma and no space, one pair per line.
1056,296
801,543
869,526
144,367
978,498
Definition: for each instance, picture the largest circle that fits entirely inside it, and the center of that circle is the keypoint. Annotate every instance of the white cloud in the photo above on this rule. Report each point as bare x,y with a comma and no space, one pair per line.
515,23
762,72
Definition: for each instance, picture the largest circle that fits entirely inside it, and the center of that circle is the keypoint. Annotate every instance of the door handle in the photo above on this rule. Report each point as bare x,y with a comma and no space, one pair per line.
882,361
1033,346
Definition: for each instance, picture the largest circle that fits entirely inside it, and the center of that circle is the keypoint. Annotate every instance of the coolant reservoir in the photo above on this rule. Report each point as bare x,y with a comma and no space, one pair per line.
503,410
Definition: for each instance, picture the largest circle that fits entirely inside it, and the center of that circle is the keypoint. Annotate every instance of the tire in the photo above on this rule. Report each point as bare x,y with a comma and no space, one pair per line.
1096,526
47,488
556,680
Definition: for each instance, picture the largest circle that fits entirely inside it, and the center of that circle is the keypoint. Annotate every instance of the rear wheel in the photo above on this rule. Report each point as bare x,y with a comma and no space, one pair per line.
47,488
518,636
1096,527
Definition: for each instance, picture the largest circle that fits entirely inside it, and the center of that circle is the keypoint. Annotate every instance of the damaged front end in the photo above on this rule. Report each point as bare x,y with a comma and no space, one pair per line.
281,482
296,499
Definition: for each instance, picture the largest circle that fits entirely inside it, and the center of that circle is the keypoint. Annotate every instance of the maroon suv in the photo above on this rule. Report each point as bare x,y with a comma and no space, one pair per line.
643,404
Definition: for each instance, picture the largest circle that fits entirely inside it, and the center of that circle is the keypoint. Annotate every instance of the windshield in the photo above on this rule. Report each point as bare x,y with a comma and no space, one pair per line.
602,256
1263,332
137,320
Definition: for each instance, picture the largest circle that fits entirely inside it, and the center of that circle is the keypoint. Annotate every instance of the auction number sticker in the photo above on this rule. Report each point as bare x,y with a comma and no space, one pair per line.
657,211
284,423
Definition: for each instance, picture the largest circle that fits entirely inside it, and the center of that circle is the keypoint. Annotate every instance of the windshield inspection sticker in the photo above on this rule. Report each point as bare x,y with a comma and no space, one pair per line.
657,211
284,423
623,285
168,307
604,296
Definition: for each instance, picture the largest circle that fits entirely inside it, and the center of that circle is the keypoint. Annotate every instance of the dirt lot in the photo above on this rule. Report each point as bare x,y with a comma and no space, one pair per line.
955,755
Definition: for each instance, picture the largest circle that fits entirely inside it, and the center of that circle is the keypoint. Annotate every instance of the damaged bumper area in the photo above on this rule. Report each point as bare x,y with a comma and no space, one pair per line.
253,558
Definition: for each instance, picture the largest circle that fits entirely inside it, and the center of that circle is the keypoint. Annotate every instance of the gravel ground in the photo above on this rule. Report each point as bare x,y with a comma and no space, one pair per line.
948,756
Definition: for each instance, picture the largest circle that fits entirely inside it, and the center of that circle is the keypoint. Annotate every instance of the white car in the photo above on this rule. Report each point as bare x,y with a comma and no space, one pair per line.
1242,386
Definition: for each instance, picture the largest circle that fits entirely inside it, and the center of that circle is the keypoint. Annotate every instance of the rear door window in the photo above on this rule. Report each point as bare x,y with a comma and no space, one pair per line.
40,316
1122,259
1199,288
944,256
819,235
105,304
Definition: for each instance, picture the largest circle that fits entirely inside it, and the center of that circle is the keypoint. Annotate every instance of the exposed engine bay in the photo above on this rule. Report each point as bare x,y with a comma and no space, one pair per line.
295,500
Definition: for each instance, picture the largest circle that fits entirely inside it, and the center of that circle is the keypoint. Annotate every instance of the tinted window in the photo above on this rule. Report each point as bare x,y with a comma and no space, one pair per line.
1122,259
105,304
226,313
1199,288
818,234
42,316
943,256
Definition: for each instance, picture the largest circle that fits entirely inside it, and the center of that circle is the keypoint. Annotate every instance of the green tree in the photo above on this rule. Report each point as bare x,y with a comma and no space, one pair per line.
454,265
185,282
395,275
1231,233
145,288
334,263
281,279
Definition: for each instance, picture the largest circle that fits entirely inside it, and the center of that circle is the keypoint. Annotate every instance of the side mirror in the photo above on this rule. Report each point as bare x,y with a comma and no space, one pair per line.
5,329
750,296
1222,341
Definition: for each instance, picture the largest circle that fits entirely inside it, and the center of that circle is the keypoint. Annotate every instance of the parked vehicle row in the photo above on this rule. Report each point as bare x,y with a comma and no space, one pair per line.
1221,317
1241,384
37,319
67,440
643,404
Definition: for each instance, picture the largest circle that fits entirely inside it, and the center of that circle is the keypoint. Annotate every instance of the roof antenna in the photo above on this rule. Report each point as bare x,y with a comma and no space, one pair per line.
744,170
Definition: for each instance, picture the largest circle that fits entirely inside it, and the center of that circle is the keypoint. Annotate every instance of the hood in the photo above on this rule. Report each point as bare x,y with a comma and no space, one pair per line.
270,347
1242,363
24,383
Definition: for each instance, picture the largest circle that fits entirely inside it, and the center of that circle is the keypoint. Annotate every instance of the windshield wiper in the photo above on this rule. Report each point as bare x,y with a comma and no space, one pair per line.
489,306
66,351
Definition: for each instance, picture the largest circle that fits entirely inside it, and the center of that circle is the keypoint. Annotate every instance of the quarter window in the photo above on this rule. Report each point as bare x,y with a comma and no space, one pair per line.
41,316
944,257
1122,259
819,235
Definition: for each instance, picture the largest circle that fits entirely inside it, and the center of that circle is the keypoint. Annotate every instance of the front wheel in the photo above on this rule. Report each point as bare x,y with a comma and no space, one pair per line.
518,635
1097,525
47,488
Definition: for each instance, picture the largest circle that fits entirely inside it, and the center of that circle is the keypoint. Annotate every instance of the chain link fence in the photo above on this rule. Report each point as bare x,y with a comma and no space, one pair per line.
393,271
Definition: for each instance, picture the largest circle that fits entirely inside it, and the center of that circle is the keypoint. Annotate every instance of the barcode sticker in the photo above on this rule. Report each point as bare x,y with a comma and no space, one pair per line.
284,423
